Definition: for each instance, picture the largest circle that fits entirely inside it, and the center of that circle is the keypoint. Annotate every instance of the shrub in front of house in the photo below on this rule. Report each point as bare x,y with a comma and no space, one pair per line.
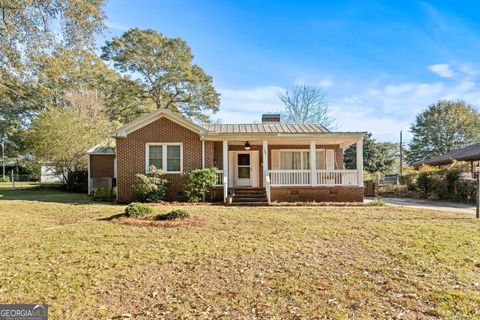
173,215
441,184
151,187
198,183
136,209
409,179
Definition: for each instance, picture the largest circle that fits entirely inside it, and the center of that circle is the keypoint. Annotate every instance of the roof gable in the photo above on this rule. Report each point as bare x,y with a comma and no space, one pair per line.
151,117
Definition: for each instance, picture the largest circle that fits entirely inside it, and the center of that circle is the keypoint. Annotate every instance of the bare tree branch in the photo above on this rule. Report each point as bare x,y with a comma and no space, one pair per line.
306,104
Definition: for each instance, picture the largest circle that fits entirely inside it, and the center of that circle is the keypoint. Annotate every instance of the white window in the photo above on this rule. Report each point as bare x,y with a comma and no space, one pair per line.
294,160
164,156
300,159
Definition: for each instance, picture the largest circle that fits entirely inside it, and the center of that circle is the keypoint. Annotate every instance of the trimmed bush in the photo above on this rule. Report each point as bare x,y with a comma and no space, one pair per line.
151,187
136,209
173,215
7,179
198,183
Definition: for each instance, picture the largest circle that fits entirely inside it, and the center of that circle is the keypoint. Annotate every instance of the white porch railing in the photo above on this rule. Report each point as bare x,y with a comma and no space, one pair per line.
290,177
219,178
303,177
337,177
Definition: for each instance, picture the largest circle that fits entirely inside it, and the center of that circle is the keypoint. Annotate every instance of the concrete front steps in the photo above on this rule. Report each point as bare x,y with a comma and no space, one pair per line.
247,196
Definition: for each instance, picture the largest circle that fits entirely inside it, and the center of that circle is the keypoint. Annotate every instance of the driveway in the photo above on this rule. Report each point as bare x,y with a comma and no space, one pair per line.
453,207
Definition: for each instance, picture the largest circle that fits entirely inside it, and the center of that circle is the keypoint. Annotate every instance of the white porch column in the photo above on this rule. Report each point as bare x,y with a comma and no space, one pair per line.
313,163
225,170
266,169
203,154
265,160
360,161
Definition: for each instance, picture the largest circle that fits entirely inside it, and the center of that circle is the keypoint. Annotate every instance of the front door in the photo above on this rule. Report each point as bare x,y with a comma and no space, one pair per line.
244,169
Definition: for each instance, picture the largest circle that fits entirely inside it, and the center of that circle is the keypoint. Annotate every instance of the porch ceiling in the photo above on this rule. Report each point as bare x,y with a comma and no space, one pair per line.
342,139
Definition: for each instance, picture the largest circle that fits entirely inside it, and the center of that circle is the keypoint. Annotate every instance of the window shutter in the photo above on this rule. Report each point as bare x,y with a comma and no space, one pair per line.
275,160
330,160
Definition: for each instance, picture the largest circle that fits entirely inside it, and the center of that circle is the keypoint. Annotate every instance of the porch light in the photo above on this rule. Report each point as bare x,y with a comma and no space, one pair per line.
247,145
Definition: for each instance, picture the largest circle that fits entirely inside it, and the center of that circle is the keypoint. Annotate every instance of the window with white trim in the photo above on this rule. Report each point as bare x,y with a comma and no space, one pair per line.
164,156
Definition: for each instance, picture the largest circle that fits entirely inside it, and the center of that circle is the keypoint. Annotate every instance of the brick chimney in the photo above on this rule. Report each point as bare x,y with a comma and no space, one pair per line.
271,118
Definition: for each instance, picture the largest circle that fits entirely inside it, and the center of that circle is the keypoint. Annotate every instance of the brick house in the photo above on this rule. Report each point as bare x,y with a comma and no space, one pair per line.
267,162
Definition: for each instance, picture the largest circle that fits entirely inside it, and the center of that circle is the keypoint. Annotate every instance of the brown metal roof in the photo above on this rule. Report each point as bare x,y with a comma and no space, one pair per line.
265,128
469,153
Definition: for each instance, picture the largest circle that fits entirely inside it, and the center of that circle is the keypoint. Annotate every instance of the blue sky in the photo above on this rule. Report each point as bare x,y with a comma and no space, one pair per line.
379,62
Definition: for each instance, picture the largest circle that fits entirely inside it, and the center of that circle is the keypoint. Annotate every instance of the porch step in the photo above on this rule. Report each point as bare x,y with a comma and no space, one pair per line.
249,190
247,204
250,196
250,199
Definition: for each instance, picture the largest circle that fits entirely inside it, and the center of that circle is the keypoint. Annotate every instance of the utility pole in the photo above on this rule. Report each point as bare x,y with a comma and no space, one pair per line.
401,152
4,138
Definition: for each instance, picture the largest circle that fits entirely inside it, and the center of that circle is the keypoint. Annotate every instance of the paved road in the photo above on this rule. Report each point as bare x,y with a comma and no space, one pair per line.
429,204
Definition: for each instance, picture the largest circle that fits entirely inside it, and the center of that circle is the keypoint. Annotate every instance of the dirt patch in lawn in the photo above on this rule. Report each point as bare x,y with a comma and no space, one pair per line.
196,221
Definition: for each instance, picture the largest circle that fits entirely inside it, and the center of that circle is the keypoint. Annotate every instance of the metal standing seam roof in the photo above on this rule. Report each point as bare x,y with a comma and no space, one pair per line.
265,128
101,150
471,152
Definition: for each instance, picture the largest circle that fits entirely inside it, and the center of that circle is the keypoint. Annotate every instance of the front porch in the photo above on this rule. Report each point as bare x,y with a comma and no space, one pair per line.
291,169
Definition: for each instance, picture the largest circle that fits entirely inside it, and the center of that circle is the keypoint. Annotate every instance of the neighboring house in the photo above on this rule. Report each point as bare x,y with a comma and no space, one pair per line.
49,174
469,154
269,161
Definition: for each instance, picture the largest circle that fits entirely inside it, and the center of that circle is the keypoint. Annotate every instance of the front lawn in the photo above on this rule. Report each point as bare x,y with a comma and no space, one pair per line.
61,249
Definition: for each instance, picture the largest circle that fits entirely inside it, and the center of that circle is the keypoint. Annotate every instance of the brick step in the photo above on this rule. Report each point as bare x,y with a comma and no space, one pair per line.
248,204
250,195
245,199
249,190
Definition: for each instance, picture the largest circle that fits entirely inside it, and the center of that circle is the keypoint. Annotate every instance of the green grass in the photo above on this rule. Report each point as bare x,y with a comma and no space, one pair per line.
29,185
364,262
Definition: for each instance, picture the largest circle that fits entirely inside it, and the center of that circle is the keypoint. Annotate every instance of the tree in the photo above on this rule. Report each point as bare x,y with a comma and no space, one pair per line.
26,27
377,156
62,136
28,30
306,104
443,127
165,72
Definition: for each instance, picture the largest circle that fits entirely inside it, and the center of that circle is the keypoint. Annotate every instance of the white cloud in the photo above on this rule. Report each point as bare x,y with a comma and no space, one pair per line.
246,105
381,108
116,26
443,70
326,83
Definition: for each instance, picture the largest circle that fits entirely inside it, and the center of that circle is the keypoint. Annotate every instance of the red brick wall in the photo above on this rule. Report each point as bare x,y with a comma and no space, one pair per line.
102,165
317,194
131,155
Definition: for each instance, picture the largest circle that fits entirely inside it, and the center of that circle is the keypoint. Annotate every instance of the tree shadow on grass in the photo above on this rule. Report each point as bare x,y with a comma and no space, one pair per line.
43,195
115,216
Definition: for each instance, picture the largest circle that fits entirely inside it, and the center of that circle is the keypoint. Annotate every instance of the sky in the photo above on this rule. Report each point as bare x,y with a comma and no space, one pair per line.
379,62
